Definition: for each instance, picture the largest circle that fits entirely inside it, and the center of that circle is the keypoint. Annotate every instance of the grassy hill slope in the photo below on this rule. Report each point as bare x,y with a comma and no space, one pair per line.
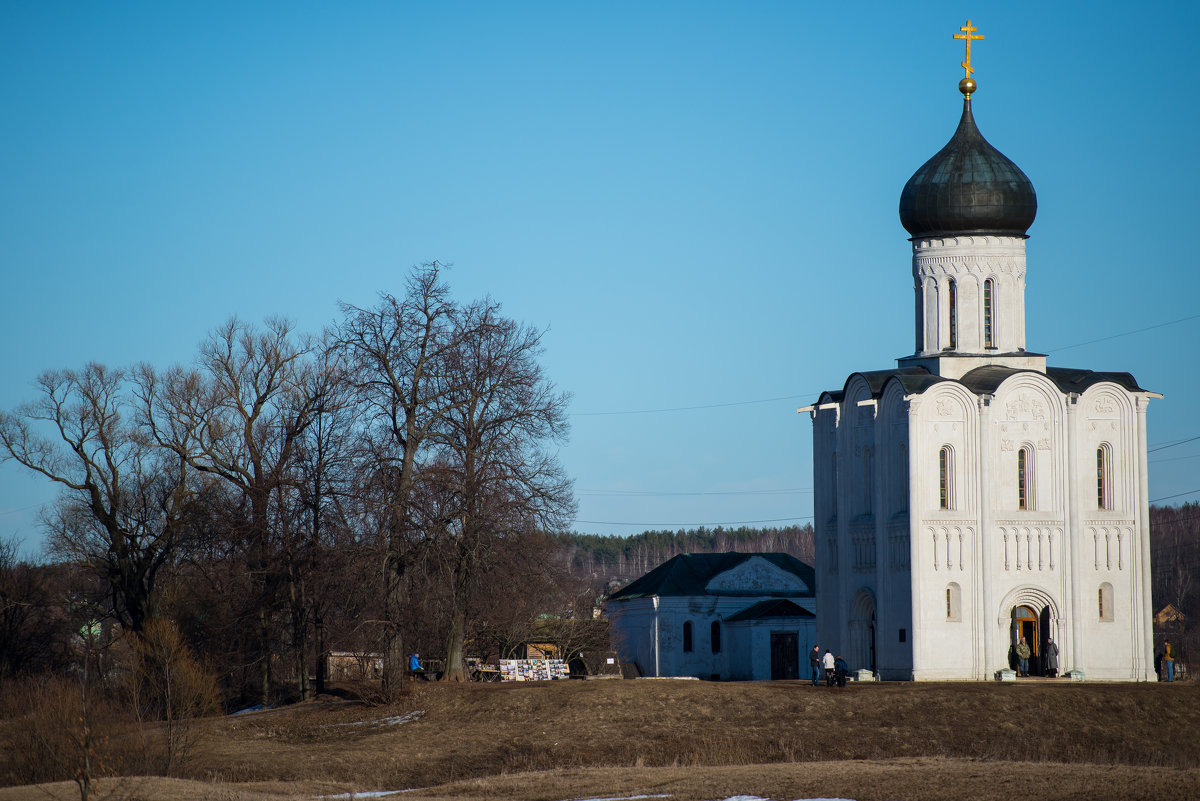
698,740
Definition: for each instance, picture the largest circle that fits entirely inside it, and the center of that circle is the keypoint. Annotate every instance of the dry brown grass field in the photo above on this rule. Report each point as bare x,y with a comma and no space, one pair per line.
692,741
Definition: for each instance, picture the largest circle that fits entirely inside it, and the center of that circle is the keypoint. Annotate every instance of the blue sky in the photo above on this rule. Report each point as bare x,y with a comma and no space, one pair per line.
696,200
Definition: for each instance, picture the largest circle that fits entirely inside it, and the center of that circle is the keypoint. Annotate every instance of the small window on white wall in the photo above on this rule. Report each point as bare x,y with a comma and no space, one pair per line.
989,290
1105,599
1026,480
1022,474
1104,477
952,306
945,478
953,602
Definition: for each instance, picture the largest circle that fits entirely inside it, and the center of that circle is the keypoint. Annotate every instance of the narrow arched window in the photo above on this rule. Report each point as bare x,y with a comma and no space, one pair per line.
1104,597
945,478
953,602
952,306
1103,477
1022,475
989,287
687,636
715,636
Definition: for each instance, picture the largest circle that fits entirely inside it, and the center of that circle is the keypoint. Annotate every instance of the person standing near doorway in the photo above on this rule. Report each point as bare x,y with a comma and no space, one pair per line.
1023,658
814,659
1168,660
1050,657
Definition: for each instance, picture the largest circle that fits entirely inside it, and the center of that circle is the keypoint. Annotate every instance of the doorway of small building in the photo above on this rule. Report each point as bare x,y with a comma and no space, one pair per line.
1026,623
785,655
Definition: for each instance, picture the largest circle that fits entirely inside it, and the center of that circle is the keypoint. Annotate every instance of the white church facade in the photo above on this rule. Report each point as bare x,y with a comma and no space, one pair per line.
972,495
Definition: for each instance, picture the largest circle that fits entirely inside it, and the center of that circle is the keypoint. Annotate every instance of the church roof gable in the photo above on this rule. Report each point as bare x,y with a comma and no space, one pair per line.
780,607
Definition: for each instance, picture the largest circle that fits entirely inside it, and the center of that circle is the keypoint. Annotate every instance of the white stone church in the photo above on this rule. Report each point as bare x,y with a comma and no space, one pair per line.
973,495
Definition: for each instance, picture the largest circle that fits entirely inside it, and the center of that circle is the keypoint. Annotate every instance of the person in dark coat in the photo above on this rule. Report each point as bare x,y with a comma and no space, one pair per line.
841,669
1050,657
814,659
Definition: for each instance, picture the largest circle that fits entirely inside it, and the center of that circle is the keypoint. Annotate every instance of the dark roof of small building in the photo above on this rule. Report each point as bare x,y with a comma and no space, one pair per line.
780,607
689,574
968,187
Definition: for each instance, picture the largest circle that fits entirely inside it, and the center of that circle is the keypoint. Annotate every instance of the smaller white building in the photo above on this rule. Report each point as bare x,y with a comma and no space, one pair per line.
724,616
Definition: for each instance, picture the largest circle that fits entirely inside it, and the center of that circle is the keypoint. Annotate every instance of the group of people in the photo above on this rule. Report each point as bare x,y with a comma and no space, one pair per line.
835,668
1049,657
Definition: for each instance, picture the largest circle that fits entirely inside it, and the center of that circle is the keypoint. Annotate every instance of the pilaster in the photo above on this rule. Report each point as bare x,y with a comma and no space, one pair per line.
1074,655
983,615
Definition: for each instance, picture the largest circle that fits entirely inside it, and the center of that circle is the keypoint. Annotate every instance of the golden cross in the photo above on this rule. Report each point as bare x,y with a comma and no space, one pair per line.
967,31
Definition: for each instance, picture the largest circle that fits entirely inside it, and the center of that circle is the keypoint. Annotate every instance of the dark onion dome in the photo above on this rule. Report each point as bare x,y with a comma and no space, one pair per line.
969,187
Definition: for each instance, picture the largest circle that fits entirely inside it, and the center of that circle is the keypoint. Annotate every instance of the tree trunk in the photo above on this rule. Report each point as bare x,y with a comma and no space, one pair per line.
393,662
299,630
264,633
454,648
322,659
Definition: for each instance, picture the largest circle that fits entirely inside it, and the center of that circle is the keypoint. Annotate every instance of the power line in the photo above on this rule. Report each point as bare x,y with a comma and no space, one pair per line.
4,512
813,394
1175,459
694,408
1178,495
1125,333
1173,444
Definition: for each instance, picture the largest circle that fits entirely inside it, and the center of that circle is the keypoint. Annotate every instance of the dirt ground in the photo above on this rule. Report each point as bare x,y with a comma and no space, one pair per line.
697,741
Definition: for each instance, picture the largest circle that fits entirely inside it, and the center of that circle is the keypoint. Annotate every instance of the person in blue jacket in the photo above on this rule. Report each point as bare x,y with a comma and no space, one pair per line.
415,667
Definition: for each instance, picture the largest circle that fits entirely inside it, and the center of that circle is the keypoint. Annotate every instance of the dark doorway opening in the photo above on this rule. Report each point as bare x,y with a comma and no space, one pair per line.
785,655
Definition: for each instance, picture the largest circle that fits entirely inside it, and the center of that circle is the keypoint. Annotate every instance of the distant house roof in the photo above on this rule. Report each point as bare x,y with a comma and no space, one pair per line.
1169,614
780,607
690,573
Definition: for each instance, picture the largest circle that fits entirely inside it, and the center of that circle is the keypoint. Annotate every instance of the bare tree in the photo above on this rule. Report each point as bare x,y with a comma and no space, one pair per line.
125,503
238,417
395,352
321,480
495,476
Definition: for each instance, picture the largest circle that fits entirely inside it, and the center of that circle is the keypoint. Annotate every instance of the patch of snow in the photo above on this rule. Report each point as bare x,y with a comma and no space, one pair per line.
395,720
756,798
368,794
624,797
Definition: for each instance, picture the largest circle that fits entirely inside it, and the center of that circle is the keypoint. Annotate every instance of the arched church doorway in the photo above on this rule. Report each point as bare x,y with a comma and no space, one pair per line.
862,632
1027,623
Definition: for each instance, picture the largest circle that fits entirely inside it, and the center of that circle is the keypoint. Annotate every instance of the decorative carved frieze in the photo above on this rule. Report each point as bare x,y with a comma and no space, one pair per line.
1028,548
